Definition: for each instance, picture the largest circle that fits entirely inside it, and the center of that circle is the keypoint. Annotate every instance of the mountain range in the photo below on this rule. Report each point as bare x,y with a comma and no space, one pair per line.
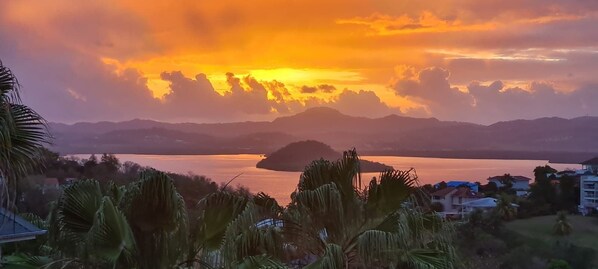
555,139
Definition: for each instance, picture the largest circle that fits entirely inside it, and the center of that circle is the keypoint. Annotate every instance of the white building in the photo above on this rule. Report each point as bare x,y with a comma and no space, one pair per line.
520,183
452,199
588,184
483,204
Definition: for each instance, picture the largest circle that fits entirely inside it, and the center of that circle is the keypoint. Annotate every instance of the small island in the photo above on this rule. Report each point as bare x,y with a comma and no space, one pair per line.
295,156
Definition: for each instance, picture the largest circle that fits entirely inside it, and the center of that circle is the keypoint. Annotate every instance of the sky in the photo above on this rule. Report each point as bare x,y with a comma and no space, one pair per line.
479,61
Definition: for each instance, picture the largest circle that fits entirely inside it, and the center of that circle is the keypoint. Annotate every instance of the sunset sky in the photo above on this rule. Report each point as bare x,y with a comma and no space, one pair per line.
220,61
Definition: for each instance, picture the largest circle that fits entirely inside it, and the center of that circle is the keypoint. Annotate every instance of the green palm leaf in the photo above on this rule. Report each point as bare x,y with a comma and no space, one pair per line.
260,262
333,258
78,205
158,218
22,132
110,235
389,194
22,261
217,211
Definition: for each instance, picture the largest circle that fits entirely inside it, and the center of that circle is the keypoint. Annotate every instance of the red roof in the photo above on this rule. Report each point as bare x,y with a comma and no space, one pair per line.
515,178
443,192
51,181
467,193
463,192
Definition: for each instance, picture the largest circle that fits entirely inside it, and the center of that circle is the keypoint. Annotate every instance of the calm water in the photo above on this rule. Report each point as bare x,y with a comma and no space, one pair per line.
221,168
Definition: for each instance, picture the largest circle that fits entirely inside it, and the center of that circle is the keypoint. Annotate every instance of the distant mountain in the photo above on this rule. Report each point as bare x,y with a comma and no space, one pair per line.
295,156
557,139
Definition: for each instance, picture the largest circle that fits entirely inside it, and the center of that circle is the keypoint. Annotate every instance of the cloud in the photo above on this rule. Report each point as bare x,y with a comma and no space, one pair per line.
496,101
431,88
362,103
426,22
325,88
491,102
525,53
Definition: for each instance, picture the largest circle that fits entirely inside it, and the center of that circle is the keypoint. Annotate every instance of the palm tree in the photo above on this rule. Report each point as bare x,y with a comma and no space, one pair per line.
504,208
142,225
23,132
344,225
331,222
562,227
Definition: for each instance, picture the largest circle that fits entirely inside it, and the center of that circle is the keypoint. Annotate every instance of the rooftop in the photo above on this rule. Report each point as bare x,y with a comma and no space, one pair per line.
593,161
463,192
515,178
467,193
443,192
14,228
51,181
488,202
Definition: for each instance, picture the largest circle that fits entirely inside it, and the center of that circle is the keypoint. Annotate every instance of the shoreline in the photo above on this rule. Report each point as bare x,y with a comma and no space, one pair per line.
550,157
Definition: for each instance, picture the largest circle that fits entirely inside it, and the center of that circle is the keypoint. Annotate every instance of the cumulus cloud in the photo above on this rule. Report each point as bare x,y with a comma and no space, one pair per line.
362,103
496,101
491,102
430,87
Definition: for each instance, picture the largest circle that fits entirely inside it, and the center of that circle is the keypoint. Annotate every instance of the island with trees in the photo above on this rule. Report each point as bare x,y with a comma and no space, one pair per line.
296,156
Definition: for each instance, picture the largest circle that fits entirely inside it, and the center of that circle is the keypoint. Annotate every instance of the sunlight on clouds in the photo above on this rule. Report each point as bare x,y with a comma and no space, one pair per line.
349,47
523,55
306,76
426,23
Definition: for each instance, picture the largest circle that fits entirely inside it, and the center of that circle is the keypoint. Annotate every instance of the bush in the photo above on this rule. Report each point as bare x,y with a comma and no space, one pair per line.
559,264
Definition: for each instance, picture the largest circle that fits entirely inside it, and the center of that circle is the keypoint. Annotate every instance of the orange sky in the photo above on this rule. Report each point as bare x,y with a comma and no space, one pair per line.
410,57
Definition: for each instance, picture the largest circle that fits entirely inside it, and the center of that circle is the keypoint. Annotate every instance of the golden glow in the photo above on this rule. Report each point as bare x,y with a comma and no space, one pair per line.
426,23
298,76
350,44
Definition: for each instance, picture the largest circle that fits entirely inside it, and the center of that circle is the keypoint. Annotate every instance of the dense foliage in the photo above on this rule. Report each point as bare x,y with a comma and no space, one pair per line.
333,221
22,133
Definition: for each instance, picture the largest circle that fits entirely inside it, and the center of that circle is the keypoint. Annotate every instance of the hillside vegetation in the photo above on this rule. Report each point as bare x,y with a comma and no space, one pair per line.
295,156
584,229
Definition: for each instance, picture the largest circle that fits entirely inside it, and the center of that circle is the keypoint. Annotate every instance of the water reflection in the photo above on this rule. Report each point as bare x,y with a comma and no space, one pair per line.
221,168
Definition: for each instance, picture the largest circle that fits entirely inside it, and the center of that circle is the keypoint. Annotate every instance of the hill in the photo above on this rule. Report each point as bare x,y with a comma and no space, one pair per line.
555,139
295,156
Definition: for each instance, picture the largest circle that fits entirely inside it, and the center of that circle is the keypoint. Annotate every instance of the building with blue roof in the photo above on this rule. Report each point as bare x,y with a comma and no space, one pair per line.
14,228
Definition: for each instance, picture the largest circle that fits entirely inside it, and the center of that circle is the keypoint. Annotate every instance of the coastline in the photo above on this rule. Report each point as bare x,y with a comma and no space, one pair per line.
550,156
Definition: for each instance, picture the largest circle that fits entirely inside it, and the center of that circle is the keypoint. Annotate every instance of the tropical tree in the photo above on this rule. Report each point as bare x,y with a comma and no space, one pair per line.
562,227
333,221
142,225
22,134
504,208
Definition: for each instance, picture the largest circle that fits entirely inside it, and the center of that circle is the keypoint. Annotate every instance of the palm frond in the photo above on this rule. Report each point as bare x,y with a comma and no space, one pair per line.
77,207
333,258
111,236
389,194
157,216
260,262
217,211
23,261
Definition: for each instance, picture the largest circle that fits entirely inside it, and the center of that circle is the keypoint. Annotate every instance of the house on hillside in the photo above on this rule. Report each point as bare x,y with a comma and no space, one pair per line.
484,204
452,199
520,183
588,184
14,228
